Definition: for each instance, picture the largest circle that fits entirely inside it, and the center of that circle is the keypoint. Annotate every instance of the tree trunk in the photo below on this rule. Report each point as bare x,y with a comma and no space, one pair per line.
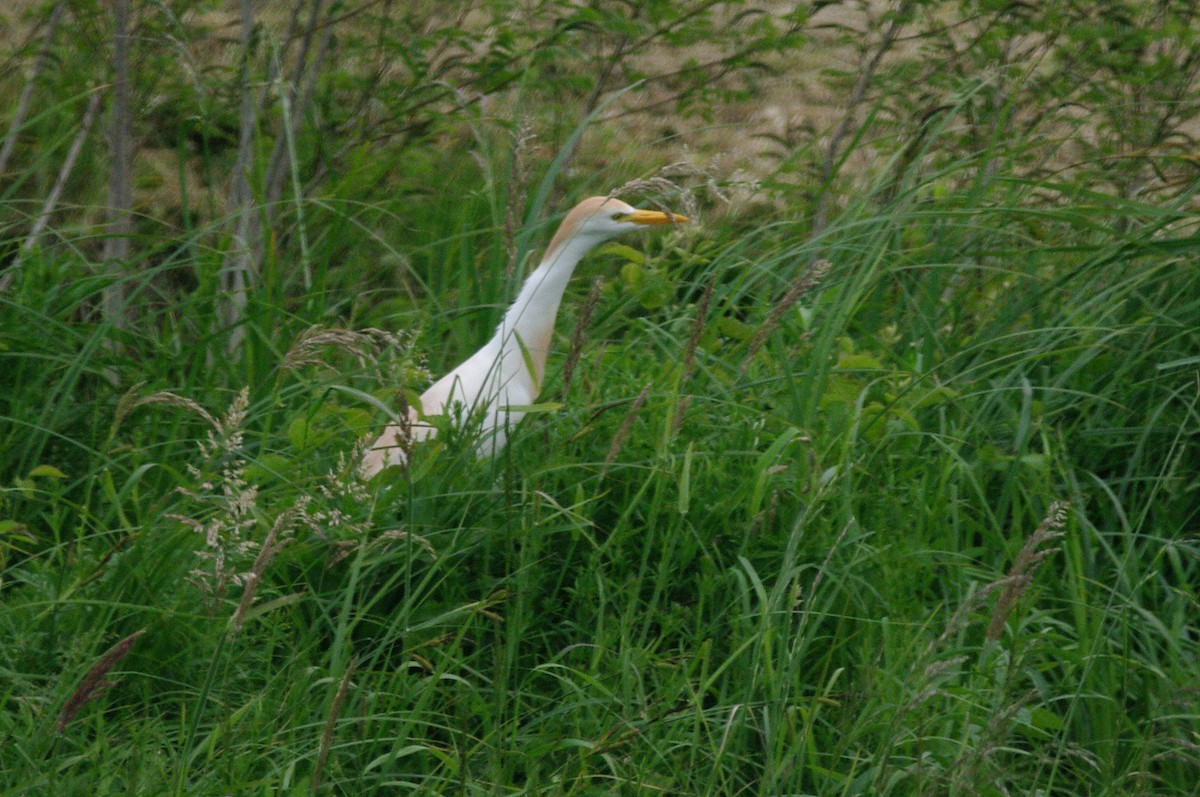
120,173
237,272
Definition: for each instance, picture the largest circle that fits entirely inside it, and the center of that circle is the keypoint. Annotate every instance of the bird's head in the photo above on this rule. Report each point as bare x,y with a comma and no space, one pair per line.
598,219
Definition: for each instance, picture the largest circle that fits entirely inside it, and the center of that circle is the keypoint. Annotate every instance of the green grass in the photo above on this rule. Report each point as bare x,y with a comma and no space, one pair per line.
767,576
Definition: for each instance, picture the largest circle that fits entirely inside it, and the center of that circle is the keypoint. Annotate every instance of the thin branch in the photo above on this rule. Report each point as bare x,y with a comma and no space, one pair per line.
22,108
64,173
297,101
833,150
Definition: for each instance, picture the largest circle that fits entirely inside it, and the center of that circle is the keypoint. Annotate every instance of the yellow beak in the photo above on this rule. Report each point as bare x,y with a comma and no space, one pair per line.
654,217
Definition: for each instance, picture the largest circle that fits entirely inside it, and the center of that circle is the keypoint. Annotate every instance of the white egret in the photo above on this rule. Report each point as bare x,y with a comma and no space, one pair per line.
494,383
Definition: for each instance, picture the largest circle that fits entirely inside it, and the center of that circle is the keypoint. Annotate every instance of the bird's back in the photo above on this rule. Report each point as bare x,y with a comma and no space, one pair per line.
476,394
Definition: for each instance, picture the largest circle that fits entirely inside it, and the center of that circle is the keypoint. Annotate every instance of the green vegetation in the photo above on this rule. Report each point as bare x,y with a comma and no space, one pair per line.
881,479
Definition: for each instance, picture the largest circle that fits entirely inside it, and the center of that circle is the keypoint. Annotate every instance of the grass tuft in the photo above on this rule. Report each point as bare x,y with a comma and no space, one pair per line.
772,538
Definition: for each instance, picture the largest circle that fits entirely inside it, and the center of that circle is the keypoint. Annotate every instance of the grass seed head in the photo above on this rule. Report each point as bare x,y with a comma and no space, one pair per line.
579,335
93,683
1028,560
624,429
810,279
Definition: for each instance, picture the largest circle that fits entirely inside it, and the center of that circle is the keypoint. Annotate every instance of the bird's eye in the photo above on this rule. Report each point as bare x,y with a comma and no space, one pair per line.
618,216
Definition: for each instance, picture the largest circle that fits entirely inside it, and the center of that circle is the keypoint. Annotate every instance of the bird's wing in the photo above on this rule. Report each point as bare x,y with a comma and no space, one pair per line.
471,383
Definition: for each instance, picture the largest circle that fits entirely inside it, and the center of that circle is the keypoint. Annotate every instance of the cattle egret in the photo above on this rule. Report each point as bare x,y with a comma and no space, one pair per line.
493,385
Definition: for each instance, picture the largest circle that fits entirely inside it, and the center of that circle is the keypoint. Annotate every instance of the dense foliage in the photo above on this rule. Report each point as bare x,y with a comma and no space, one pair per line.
881,478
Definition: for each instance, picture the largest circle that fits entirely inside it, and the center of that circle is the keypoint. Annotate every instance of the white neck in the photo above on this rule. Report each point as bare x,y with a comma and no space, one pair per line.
529,323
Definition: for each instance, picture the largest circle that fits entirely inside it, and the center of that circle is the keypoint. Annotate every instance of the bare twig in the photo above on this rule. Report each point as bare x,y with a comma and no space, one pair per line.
296,100
64,173
18,117
857,94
